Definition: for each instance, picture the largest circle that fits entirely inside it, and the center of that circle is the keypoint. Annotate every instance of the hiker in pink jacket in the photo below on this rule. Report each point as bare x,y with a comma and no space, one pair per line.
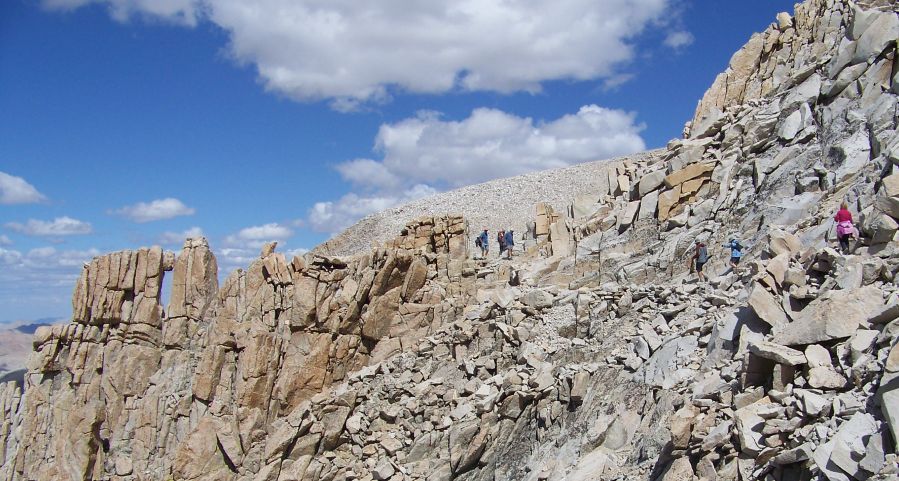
845,228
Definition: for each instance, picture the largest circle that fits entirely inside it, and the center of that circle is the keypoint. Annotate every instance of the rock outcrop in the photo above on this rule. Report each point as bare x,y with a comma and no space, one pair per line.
132,389
593,354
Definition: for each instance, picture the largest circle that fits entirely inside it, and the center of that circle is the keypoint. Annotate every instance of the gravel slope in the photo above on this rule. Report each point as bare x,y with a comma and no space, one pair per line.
497,204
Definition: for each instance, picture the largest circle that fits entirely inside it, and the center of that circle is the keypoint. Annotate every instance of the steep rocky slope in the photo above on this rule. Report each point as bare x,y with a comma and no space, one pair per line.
497,204
593,355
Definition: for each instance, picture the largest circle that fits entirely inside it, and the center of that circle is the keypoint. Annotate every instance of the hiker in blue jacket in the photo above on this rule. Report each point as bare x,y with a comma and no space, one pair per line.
736,252
482,241
509,241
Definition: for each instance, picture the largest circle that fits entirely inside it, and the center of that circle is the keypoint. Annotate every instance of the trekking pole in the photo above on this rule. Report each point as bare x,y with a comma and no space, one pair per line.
575,256
599,257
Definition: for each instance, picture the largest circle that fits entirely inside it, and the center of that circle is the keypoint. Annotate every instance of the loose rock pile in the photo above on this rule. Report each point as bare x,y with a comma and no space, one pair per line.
772,389
592,355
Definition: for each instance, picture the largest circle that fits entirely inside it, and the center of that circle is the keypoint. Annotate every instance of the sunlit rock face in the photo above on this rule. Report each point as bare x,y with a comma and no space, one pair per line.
593,353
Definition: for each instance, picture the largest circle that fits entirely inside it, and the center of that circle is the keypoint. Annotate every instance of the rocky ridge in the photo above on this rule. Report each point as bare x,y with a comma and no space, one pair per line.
497,204
592,355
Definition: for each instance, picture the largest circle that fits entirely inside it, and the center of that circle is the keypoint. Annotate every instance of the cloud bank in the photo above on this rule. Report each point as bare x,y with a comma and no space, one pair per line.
356,52
256,236
333,216
170,238
242,247
42,276
679,39
425,154
159,209
15,190
490,144
59,227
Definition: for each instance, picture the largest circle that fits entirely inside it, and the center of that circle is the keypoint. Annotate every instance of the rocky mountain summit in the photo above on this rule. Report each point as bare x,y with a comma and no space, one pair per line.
592,355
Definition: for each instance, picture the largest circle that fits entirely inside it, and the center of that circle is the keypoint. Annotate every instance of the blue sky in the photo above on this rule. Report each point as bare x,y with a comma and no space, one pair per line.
128,123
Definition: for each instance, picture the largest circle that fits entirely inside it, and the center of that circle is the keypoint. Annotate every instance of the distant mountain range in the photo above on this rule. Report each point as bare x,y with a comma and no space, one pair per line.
30,325
15,344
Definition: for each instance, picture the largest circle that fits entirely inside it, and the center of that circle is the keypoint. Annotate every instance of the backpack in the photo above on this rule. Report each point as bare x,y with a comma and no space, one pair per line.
703,255
477,241
737,246
845,228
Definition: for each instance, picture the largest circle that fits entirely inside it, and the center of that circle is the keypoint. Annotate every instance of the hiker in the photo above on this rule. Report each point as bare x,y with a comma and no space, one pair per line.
700,257
845,228
510,241
501,241
736,252
481,242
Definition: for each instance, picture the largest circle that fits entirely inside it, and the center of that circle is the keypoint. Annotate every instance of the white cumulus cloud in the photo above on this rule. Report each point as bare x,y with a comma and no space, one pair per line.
272,231
185,12
679,39
170,238
61,226
230,258
42,278
9,257
42,252
255,236
46,259
291,253
489,144
368,172
5,241
15,190
356,52
159,209
426,154
333,216
242,247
